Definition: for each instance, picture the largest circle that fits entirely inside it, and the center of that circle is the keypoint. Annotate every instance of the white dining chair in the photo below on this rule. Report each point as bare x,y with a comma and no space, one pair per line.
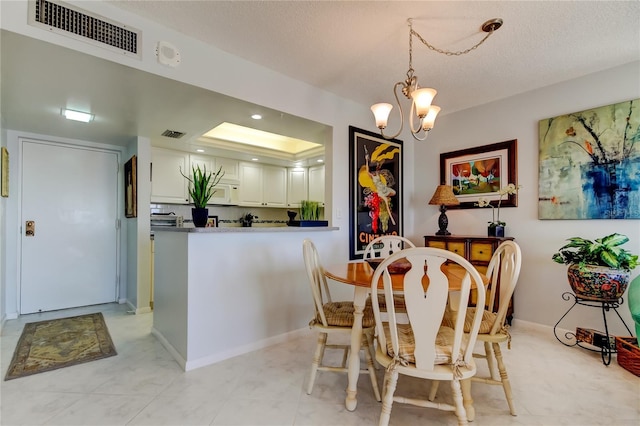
334,318
385,245
422,348
503,272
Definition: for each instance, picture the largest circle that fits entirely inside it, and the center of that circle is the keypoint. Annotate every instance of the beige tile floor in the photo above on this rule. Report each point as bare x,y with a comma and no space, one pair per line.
142,385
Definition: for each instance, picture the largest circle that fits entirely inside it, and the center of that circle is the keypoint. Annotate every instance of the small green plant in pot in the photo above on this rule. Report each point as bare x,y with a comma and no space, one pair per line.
599,269
201,188
309,210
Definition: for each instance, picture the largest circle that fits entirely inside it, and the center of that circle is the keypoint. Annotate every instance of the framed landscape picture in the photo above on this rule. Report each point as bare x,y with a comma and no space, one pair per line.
375,189
480,172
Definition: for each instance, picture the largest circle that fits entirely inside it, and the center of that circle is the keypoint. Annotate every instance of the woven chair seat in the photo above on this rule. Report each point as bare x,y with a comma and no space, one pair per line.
341,314
488,319
407,344
398,301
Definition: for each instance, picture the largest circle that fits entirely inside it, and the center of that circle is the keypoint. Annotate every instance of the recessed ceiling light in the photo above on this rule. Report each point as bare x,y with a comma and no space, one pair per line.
254,159
320,160
199,150
256,117
77,115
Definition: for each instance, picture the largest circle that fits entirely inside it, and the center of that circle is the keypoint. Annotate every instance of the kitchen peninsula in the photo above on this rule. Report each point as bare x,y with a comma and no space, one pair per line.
222,292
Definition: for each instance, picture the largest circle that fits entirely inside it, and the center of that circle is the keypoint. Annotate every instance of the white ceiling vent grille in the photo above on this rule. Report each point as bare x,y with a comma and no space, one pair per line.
82,25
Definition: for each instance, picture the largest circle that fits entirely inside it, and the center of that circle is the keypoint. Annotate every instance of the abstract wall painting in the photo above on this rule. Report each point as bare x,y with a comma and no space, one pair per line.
589,164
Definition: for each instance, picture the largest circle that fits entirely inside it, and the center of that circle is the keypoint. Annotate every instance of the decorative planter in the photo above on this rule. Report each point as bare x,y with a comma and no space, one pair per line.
496,231
199,216
594,282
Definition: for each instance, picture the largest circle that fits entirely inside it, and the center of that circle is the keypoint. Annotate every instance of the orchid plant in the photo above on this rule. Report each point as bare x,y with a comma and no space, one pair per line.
510,189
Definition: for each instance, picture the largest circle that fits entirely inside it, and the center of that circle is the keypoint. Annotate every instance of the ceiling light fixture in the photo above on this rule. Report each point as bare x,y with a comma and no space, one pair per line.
256,117
421,97
77,115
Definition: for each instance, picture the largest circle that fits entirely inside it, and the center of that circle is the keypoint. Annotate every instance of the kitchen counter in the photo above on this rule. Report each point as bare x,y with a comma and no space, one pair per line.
253,229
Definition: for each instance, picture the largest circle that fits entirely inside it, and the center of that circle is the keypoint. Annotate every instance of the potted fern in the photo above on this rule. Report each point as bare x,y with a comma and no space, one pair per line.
201,188
600,269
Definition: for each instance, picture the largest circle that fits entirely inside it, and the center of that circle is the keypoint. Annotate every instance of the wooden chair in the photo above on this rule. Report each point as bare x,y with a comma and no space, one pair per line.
334,318
386,245
503,272
423,348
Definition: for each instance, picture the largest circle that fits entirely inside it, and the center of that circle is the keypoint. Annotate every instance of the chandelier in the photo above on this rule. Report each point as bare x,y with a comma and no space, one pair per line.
421,108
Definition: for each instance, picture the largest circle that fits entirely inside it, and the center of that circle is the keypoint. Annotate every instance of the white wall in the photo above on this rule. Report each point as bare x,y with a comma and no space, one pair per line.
542,282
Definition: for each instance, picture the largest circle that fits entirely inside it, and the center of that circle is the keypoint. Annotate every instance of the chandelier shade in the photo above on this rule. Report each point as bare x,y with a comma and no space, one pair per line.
421,108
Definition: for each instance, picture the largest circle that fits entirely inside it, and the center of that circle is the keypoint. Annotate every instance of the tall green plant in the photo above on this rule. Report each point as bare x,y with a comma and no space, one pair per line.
202,184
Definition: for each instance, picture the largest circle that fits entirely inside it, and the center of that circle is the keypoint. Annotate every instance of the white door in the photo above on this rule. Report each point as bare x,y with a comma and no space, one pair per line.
70,196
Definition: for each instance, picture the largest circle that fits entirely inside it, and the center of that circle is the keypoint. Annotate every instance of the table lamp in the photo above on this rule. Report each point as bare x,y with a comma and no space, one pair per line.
444,197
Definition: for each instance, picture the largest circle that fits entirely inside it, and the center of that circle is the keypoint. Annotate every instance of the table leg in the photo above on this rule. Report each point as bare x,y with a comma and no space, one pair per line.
359,300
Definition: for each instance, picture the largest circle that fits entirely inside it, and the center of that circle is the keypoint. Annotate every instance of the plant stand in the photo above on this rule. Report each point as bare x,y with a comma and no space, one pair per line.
570,339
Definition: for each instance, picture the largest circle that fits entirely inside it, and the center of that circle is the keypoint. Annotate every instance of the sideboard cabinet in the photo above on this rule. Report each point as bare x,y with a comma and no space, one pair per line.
476,249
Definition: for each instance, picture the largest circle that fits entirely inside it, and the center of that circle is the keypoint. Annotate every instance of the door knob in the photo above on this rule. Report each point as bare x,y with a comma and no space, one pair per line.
30,228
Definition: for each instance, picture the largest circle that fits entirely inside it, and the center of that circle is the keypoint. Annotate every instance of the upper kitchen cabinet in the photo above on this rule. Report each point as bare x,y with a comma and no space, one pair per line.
167,183
297,186
262,185
316,184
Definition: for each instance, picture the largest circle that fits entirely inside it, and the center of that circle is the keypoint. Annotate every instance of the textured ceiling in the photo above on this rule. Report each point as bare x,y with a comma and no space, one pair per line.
359,49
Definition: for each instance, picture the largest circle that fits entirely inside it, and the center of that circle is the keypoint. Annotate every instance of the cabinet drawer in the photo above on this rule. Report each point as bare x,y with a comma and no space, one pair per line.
456,247
437,244
481,252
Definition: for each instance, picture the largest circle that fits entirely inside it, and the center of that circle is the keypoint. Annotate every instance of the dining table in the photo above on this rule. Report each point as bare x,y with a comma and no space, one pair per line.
359,274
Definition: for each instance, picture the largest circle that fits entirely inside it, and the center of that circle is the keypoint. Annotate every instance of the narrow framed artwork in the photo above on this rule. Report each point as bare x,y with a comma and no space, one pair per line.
212,222
480,172
589,164
130,188
375,173
4,177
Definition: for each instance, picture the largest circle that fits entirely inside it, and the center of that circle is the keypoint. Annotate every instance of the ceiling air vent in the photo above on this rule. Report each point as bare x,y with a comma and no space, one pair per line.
173,134
81,25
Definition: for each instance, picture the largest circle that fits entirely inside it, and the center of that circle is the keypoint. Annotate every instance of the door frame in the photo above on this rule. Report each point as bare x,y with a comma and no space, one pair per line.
118,151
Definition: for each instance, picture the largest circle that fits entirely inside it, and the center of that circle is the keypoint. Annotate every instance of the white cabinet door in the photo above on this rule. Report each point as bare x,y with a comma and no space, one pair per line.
262,185
230,168
275,186
297,186
316,184
204,162
167,184
250,193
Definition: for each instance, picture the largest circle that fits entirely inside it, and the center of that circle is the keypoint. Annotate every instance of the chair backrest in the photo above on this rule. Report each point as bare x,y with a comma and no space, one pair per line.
385,246
503,272
425,309
317,279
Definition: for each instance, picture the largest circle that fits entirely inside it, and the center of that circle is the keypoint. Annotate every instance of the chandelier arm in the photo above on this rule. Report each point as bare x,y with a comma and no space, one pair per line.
448,52
416,132
395,93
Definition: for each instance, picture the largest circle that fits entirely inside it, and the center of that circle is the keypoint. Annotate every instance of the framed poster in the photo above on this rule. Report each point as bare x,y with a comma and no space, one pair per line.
480,172
589,164
375,185
130,188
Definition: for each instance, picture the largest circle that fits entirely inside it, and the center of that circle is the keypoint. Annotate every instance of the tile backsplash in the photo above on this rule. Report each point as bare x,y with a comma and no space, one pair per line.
230,215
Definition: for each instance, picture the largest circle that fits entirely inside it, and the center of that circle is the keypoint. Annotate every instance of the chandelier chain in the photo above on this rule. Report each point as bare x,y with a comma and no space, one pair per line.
413,32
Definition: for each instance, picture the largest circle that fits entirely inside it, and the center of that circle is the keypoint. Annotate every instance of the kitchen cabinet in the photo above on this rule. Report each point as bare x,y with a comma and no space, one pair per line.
229,166
167,184
316,184
297,186
262,185
477,250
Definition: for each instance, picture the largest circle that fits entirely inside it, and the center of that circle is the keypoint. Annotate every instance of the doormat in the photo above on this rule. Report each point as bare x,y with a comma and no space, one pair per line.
49,345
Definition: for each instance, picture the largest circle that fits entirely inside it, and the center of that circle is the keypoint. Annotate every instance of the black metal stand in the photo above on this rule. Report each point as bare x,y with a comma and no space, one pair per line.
607,348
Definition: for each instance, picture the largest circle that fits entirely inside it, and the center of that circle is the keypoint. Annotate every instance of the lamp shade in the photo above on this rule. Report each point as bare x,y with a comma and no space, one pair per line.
381,112
444,196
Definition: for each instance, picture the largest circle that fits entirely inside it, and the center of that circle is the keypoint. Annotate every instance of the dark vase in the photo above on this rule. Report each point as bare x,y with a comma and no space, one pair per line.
199,216
496,231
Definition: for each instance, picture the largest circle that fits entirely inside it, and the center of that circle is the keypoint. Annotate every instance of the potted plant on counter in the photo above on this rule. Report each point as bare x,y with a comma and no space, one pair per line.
201,188
598,270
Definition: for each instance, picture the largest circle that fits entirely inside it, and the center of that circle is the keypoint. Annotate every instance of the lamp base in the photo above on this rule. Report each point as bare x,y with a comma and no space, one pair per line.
443,221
